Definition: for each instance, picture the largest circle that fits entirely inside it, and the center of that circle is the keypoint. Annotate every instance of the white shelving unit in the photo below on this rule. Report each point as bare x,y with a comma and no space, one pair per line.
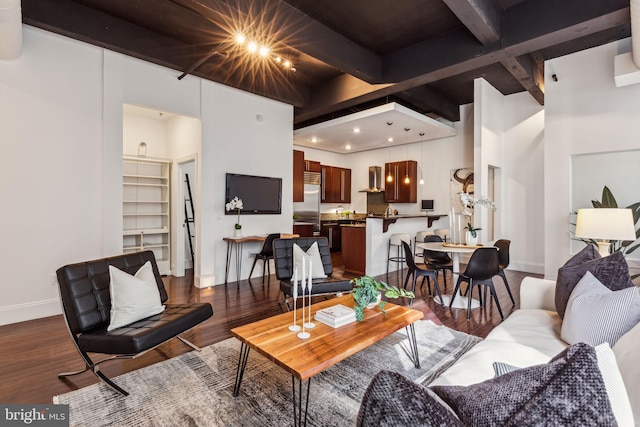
146,208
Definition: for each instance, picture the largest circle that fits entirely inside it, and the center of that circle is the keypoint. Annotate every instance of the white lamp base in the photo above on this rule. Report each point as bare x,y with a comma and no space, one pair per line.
603,248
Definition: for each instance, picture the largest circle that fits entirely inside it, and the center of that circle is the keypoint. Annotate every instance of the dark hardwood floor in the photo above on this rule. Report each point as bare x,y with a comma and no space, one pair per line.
33,353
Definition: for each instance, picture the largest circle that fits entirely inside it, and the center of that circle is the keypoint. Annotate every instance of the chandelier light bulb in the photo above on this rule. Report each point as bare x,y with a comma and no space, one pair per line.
264,51
407,180
252,47
240,38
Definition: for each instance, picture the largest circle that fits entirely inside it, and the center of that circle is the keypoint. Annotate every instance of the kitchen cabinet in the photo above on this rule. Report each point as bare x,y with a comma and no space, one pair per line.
354,248
303,229
298,176
331,230
335,184
312,166
398,191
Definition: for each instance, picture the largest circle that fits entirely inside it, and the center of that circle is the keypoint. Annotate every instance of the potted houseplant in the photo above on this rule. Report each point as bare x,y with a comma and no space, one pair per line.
367,292
236,203
471,235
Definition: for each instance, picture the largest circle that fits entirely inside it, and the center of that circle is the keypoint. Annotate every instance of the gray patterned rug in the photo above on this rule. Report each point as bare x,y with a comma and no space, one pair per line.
195,389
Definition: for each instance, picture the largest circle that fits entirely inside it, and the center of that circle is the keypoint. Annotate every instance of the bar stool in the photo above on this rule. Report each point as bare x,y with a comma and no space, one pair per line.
396,240
420,235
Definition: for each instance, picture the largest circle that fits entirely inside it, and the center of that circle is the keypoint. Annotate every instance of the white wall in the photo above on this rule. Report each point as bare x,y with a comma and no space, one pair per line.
51,150
584,113
509,132
61,117
522,176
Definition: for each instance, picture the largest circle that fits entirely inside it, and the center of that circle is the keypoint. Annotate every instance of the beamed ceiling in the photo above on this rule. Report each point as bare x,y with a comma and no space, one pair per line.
349,55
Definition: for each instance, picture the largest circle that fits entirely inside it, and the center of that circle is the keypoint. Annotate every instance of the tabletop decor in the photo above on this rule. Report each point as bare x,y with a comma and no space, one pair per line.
236,203
367,290
469,203
305,286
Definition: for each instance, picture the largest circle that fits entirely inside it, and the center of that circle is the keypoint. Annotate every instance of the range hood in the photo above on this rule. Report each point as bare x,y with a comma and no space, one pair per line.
375,180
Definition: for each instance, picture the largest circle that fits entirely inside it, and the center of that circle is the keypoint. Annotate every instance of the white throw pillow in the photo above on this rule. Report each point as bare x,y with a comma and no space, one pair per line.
626,352
133,297
615,386
595,314
312,254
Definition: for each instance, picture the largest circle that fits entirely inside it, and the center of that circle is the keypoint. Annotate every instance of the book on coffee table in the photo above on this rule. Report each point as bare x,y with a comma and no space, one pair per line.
336,315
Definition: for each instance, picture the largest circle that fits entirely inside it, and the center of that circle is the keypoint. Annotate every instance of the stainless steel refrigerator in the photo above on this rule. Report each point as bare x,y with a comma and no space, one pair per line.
309,210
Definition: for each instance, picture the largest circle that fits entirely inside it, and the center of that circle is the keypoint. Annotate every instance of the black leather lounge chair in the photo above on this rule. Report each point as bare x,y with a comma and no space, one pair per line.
283,259
86,302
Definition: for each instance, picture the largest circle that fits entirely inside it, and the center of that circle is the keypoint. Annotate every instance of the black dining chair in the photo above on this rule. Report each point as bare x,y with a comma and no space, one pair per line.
265,254
503,263
439,261
416,272
482,266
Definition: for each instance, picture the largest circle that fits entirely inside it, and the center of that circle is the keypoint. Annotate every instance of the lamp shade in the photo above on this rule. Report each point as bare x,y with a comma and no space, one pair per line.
605,224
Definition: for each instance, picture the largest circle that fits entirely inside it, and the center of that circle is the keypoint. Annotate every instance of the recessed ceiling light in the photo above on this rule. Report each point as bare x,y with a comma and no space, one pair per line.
356,130
252,46
313,139
390,139
348,146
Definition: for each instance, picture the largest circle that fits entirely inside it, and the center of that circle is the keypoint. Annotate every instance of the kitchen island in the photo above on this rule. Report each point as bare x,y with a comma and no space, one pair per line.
380,228
354,243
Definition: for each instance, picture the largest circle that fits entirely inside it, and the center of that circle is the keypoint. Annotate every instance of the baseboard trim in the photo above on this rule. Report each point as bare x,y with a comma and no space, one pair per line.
527,267
205,281
29,311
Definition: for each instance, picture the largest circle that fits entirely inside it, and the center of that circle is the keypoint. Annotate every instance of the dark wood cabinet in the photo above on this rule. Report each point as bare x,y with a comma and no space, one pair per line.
398,190
311,166
303,230
354,249
298,176
331,230
335,184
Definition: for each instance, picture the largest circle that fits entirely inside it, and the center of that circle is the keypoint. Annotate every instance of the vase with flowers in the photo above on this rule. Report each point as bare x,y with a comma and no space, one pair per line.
236,204
469,202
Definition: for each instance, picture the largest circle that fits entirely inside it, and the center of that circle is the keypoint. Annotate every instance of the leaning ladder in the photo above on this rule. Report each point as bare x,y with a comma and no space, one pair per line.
189,219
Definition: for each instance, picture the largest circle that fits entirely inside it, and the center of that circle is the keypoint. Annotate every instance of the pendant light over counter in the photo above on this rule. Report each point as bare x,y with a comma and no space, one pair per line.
406,169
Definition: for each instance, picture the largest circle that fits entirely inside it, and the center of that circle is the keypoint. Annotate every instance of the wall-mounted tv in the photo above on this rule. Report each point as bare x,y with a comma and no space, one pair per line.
259,194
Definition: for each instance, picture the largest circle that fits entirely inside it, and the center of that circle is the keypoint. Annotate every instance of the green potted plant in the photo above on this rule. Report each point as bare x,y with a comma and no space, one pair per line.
367,291
471,236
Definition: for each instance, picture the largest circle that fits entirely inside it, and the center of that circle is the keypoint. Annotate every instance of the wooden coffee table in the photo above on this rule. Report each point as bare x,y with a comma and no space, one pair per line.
326,346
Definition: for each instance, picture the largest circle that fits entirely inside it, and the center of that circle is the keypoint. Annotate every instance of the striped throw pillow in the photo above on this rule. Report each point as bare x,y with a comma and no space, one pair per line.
596,314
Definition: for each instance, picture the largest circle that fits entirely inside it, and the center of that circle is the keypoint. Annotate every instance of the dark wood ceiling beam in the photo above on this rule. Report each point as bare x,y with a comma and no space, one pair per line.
526,71
79,22
481,17
524,30
428,99
533,25
300,32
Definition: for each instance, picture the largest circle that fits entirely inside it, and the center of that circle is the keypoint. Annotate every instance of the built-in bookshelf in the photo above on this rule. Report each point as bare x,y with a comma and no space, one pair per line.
146,208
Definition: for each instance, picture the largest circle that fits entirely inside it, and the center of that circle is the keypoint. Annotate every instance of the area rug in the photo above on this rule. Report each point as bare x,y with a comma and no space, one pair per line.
196,388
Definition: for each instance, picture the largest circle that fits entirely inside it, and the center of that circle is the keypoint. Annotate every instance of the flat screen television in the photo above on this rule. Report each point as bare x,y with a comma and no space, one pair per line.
259,194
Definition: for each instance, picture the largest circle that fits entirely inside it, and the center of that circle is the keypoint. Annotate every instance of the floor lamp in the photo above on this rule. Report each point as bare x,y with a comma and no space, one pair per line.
604,225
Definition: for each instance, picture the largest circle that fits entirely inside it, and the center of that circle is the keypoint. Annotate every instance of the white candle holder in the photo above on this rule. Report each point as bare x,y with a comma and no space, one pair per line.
304,334
309,324
295,327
